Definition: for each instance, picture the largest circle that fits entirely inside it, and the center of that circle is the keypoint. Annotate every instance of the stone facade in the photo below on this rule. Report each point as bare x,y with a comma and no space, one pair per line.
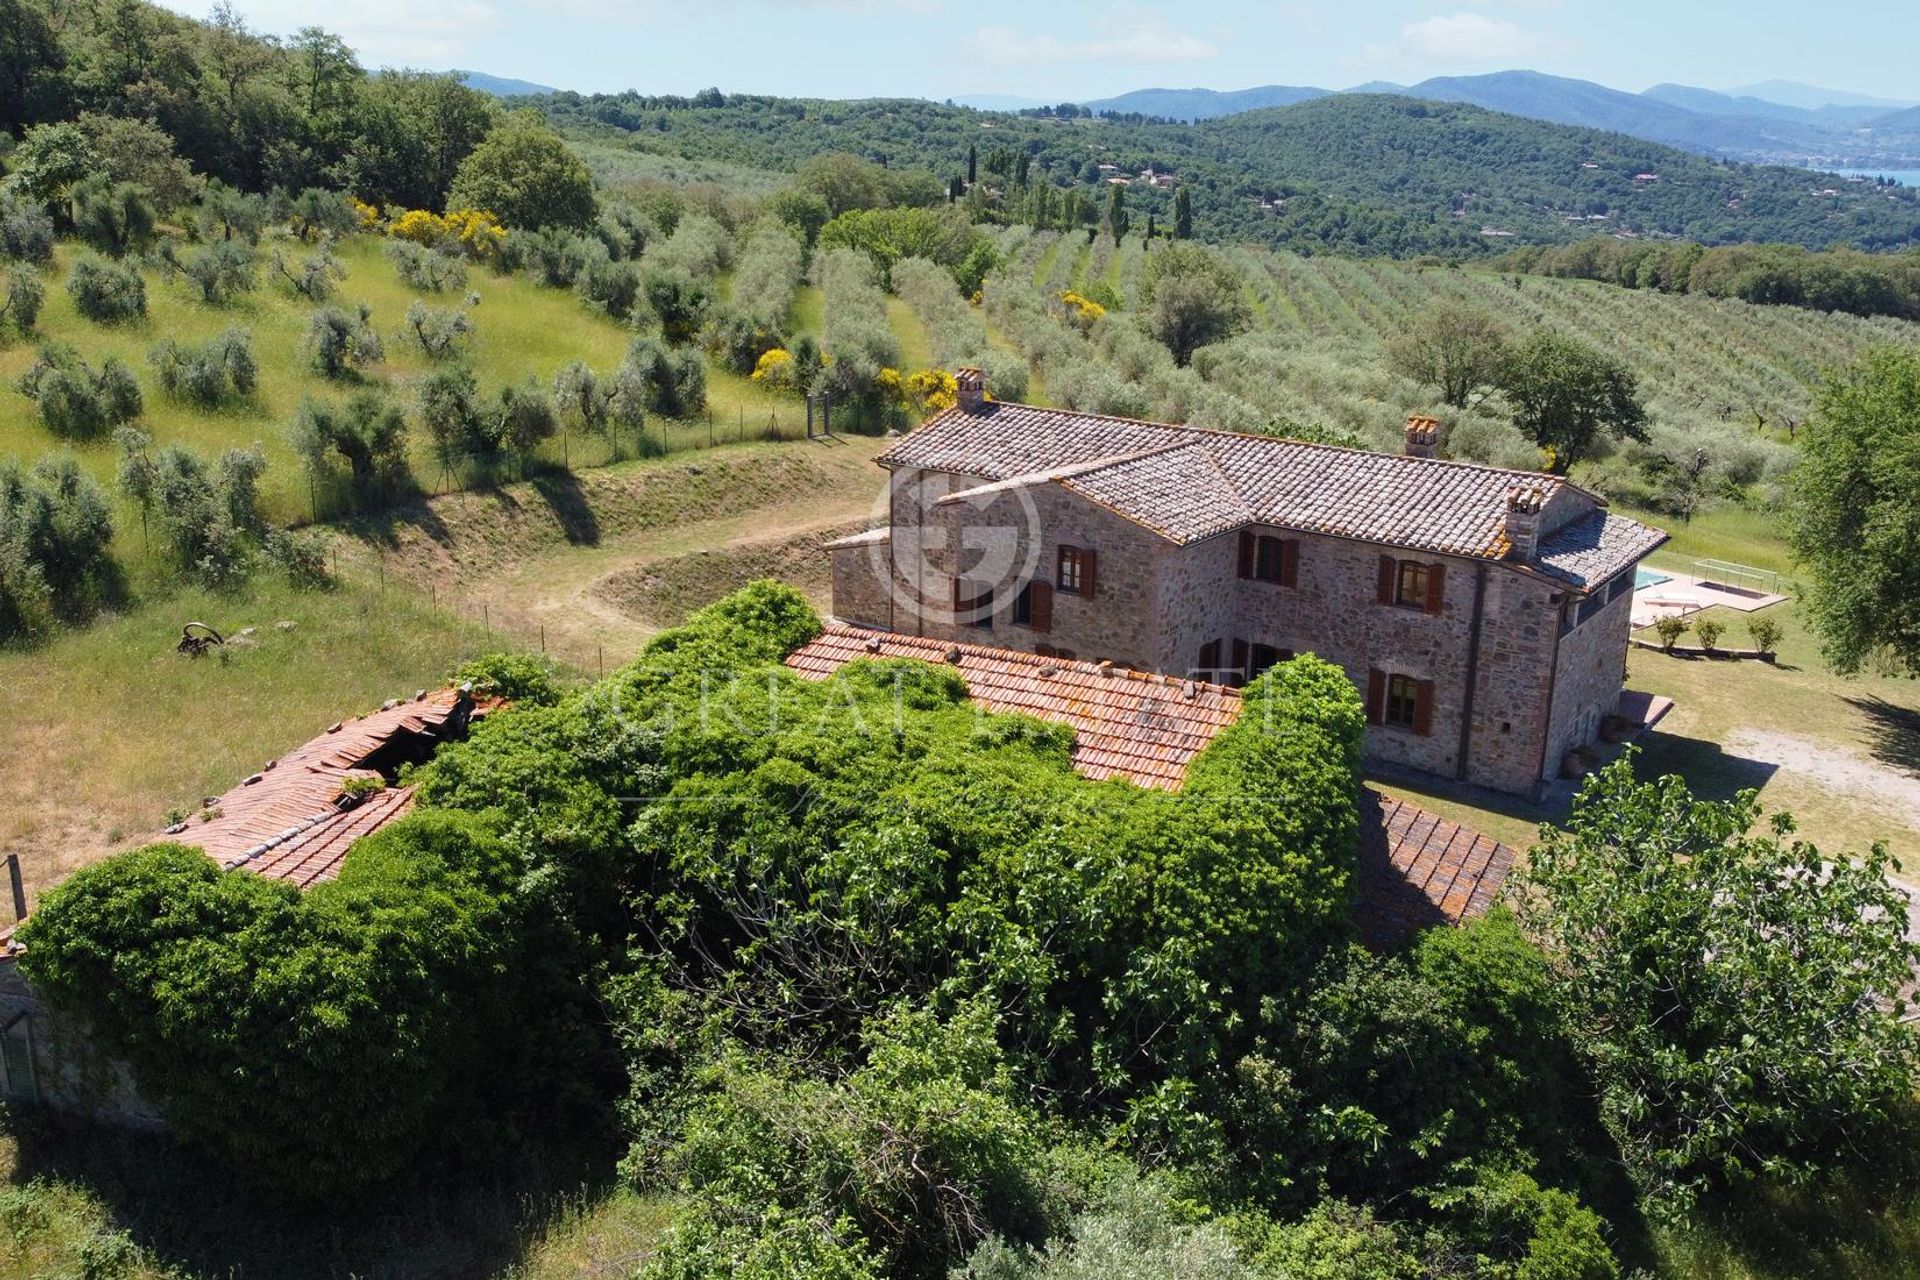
1505,693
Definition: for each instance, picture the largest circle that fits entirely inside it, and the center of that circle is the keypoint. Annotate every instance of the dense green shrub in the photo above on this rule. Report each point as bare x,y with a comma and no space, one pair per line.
422,268
25,296
676,301
116,218
26,232
654,378
341,342
107,292
1738,993
76,401
610,285
921,1152
220,270
316,1040
55,530
206,513
521,678
208,373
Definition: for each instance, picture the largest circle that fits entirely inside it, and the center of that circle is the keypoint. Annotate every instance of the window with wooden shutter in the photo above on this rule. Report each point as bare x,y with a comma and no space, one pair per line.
1039,598
1436,588
1423,707
1389,573
1290,563
1376,697
1246,553
1072,572
1209,665
1089,573
1237,668
1260,659
1402,709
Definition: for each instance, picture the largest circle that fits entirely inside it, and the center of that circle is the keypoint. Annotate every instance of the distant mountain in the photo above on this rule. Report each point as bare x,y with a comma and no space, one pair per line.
502,86
1204,104
1798,124
1811,97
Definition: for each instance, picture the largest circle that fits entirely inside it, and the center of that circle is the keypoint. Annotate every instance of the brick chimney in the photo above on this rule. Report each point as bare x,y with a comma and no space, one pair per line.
1525,503
1423,437
972,389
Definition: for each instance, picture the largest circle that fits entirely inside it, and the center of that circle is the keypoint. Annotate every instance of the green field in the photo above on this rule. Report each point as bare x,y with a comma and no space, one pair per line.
521,330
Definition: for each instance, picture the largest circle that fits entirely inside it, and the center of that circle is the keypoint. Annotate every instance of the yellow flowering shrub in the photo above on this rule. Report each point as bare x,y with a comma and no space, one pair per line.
366,214
775,369
478,233
1082,311
933,391
421,226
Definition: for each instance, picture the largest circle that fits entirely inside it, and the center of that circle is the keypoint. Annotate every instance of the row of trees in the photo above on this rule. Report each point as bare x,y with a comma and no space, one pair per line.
1861,284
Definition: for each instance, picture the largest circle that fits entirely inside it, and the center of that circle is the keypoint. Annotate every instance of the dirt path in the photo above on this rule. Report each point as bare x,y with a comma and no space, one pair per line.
591,572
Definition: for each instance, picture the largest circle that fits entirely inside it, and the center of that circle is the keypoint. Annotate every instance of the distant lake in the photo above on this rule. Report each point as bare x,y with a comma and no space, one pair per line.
1905,177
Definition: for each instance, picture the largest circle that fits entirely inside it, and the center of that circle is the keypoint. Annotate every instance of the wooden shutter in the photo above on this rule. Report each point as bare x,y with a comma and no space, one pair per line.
1246,553
1040,605
1088,578
1436,587
1290,563
1423,707
1376,697
959,592
1387,570
1238,674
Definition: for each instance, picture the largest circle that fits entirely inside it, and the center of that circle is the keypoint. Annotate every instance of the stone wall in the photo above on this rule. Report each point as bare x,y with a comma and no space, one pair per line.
1586,686
1157,605
50,1063
860,590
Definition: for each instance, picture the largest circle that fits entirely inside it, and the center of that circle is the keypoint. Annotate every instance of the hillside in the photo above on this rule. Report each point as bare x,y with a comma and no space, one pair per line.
1355,173
1798,126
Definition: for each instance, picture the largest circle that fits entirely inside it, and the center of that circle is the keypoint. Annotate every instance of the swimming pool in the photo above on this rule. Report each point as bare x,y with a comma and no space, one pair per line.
1644,577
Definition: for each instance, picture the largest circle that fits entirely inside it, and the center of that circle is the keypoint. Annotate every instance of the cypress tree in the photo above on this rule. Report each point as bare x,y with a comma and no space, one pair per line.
1182,215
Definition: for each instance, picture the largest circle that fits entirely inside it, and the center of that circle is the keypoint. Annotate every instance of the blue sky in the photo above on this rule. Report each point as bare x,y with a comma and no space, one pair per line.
1069,49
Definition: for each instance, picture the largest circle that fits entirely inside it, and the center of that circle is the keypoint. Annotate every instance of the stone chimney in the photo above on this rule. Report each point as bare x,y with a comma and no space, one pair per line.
971,385
1423,437
1525,503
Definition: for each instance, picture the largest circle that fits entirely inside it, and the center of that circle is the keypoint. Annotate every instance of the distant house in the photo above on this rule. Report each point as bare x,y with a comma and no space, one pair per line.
1483,613
1646,177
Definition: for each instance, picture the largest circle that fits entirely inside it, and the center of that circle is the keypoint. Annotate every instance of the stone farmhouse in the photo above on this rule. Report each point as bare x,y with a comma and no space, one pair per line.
1483,613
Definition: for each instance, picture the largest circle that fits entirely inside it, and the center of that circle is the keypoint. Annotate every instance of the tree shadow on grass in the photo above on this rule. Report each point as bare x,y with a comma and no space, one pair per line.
381,525
566,497
1711,771
1894,732
192,1213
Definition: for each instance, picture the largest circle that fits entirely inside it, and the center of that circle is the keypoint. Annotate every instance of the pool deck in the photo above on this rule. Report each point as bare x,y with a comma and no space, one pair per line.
1684,596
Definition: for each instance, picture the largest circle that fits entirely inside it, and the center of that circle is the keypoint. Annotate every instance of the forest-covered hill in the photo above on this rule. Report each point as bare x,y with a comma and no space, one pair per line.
1356,173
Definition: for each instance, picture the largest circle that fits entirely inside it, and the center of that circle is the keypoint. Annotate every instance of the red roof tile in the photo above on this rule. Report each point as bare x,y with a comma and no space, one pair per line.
1414,869
285,821
1127,724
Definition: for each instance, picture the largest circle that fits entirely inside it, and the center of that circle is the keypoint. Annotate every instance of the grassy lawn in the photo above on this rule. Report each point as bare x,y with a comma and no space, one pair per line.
107,727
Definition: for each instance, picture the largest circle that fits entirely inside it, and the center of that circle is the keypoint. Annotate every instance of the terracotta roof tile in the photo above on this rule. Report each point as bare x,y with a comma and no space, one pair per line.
284,822
1415,869
1418,870
1144,728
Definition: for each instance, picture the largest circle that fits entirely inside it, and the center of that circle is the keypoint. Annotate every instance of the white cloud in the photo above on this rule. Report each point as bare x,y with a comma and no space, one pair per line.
1471,37
1122,37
